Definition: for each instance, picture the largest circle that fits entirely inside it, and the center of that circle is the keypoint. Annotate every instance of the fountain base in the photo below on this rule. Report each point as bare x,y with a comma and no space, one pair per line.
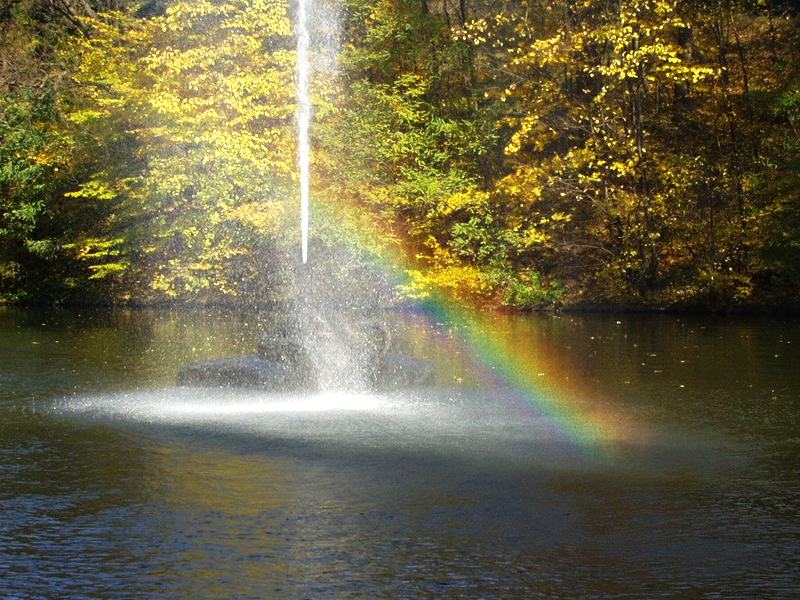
254,371
364,359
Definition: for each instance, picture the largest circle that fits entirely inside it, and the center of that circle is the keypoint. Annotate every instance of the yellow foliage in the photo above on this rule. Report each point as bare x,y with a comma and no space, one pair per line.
263,217
445,275
207,106
463,283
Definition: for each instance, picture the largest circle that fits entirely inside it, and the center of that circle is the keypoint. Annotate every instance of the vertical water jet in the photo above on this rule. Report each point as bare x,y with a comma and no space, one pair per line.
303,119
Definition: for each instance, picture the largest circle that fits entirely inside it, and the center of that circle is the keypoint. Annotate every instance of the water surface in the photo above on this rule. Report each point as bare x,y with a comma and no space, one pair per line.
116,484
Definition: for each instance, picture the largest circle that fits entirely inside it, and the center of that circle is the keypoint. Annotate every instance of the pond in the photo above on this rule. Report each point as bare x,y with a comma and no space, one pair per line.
602,456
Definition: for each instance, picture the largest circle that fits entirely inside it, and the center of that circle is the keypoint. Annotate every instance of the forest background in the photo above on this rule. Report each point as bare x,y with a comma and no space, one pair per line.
515,153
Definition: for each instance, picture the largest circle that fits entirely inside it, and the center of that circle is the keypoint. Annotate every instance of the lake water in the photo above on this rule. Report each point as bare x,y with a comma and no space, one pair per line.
557,456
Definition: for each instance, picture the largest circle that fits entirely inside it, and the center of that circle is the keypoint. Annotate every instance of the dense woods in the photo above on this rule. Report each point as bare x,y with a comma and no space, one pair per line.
522,153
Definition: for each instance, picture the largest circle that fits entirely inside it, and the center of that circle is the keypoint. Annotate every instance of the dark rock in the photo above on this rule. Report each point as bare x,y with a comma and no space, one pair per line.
282,349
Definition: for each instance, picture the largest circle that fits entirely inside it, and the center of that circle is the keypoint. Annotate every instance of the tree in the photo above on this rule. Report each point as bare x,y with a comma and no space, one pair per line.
192,113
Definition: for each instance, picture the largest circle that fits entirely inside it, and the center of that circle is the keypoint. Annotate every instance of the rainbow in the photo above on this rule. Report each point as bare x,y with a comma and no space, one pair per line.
576,414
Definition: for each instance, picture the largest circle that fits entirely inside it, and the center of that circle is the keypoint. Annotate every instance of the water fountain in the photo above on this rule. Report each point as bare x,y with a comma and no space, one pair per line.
288,358
309,349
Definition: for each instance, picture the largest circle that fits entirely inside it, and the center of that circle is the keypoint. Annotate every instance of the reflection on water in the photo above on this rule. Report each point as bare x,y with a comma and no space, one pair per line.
115,484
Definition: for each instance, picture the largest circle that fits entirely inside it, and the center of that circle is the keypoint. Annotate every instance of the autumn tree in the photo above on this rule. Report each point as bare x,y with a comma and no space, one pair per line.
193,113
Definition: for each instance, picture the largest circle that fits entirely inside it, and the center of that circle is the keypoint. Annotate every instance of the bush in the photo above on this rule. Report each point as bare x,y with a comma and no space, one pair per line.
527,291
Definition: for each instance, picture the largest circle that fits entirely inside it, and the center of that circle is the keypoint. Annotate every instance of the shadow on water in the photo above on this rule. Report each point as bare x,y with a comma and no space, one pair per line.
364,499
488,429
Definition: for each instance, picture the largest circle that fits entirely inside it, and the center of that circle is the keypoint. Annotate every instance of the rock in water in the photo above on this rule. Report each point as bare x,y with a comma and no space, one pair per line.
280,347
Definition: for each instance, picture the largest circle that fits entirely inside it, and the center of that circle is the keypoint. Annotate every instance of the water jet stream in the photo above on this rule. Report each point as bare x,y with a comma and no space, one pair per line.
303,119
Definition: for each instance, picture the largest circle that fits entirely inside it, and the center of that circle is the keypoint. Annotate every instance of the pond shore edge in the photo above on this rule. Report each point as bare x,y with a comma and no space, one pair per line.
588,308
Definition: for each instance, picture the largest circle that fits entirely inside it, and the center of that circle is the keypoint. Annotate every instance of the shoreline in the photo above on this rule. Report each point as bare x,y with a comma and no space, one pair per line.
589,309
